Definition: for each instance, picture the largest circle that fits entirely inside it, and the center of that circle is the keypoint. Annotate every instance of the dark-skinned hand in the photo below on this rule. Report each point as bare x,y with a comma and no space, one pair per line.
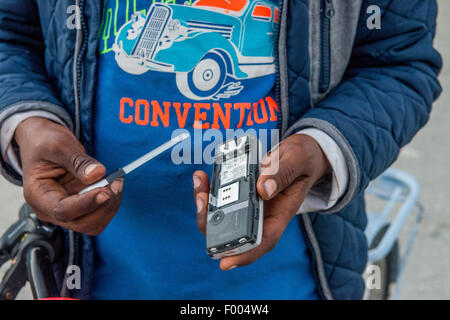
301,163
55,168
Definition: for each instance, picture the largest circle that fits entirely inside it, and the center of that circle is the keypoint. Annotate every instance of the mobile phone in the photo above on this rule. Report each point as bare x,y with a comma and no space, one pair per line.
235,210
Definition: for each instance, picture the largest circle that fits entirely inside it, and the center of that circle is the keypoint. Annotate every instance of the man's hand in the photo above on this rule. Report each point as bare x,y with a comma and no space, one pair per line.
301,163
55,168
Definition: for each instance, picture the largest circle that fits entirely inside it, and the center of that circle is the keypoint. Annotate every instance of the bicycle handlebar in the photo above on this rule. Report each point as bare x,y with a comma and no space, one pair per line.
40,273
30,245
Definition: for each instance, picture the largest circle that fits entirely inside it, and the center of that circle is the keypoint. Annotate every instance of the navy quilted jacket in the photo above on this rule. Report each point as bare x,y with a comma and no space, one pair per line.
371,91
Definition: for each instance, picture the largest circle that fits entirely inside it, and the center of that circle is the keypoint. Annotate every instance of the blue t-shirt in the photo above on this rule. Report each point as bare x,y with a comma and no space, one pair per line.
205,67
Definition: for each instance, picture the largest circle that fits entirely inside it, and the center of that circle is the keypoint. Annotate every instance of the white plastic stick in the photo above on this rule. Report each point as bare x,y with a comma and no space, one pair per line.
138,162
155,152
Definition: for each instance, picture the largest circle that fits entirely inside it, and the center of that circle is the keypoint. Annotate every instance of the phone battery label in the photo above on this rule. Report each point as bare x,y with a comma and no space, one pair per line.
233,169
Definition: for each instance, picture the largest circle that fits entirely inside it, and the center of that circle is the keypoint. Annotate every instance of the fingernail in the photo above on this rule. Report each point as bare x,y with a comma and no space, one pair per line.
197,182
270,186
232,267
90,168
102,198
116,186
200,205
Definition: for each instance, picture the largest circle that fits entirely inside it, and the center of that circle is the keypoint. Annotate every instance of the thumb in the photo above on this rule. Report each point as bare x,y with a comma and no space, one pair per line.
271,182
84,168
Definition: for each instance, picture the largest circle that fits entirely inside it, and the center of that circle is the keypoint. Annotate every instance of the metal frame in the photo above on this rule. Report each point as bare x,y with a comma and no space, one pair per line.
394,186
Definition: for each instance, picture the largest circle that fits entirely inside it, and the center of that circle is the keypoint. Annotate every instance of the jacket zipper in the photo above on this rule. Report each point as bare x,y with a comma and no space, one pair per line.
313,259
326,13
277,64
84,33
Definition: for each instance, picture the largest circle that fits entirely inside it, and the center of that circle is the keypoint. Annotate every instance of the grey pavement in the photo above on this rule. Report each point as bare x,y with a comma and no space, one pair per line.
427,158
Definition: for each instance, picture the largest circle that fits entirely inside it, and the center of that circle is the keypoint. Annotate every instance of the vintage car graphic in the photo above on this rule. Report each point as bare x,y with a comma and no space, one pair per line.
205,44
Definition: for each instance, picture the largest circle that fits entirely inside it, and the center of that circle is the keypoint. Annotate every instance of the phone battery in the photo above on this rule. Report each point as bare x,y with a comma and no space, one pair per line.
233,169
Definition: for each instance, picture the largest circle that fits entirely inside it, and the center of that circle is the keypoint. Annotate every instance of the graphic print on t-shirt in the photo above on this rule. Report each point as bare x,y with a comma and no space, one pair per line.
211,46
133,113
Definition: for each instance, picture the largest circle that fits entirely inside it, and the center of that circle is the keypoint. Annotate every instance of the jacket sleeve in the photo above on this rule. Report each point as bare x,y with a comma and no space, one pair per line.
387,91
24,85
